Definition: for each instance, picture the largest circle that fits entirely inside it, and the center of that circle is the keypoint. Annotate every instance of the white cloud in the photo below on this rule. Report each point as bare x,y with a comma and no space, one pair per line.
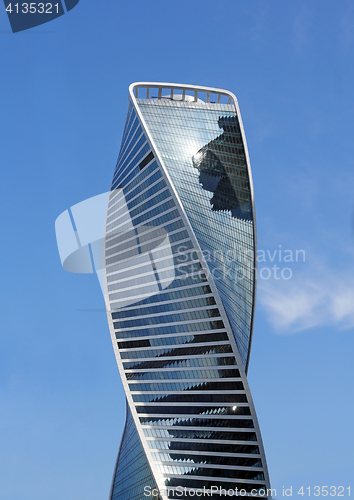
309,300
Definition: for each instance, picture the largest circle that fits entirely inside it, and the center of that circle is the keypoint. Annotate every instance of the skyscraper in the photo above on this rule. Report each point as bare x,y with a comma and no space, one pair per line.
178,275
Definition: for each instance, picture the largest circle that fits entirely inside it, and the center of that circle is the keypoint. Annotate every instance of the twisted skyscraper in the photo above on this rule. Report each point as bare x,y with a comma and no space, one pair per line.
178,275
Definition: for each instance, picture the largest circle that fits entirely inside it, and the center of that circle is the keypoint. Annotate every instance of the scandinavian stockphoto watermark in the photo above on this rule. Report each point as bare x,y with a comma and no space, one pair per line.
145,259
239,264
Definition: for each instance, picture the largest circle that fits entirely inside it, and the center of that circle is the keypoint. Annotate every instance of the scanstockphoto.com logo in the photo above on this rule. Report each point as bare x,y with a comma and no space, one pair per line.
26,15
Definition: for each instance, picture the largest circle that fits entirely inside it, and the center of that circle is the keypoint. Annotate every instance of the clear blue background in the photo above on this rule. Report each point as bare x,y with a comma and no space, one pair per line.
64,93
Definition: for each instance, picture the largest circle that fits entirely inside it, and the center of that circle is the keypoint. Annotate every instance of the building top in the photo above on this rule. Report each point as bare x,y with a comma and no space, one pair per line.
176,91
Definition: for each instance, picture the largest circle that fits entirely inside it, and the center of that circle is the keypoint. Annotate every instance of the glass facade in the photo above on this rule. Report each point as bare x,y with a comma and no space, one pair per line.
179,274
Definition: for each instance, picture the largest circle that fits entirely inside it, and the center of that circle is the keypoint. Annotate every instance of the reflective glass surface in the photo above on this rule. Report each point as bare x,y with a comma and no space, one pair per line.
202,149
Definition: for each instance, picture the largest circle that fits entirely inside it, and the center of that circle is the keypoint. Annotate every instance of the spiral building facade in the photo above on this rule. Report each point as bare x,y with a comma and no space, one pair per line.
179,284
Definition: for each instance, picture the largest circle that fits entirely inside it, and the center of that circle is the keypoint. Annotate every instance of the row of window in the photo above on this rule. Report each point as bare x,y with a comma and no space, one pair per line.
149,181
184,374
129,185
156,211
120,278
189,398
125,240
160,263
131,170
178,328
160,308
173,446
200,483
170,341
129,215
149,290
211,472
132,138
185,386
140,176
194,410
114,211
197,422
135,284
157,222
131,125
176,351
176,295
131,152
207,459
150,202
219,435
174,226
170,318
191,362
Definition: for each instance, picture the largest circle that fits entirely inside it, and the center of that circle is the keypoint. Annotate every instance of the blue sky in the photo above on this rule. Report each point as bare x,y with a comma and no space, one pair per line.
64,88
